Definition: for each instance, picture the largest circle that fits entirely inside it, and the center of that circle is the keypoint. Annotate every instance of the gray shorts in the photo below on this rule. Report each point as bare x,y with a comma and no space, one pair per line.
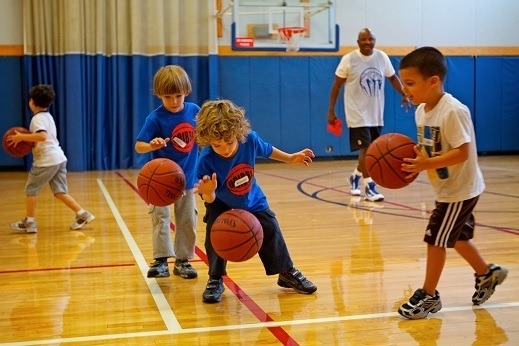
361,137
56,176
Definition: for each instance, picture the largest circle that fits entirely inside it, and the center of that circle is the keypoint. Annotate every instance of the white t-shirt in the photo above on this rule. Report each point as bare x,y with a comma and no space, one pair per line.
447,126
46,153
364,87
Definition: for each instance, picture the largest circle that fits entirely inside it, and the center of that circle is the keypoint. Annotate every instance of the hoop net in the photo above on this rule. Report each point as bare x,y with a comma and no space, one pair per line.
291,35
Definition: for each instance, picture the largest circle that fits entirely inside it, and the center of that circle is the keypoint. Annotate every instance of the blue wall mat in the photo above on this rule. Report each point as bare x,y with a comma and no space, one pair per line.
264,111
489,106
13,100
295,104
396,118
510,93
322,73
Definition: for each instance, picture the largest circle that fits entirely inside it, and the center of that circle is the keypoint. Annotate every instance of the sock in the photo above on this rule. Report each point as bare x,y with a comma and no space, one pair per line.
215,277
80,211
357,172
29,219
162,259
368,180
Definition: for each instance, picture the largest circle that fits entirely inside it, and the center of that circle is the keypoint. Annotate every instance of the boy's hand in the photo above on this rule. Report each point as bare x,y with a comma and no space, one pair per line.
207,185
304,156
416,165
15,138
157,143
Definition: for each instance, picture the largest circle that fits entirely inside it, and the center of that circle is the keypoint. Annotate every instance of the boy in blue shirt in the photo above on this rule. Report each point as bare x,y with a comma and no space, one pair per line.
226,181
169,132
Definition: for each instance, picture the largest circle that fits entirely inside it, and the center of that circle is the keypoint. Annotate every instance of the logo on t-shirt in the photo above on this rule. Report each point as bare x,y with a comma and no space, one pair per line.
183,137
239,180
430,141
371,81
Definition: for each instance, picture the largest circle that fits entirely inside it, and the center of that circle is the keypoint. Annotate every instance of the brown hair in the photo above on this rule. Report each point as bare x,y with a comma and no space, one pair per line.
171,79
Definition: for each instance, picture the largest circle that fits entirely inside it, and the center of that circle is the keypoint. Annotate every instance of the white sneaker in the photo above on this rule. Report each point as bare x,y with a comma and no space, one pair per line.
372,194
355,185
82,219
24,225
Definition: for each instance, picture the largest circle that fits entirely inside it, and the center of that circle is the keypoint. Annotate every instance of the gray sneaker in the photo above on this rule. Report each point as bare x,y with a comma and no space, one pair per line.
420,304
82,219
486,284
24,225
159,269
184,269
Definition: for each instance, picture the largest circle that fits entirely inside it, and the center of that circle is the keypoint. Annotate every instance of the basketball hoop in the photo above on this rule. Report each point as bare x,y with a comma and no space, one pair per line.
291,35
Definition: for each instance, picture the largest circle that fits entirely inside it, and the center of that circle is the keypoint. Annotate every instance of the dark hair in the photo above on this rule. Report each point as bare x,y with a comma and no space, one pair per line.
42,95
428,60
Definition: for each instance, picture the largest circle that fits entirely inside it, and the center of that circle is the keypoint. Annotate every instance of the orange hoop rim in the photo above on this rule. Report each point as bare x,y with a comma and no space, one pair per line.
292,30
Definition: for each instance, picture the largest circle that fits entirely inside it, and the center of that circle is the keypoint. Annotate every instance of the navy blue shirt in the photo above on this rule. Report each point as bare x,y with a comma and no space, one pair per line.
180,129
237,185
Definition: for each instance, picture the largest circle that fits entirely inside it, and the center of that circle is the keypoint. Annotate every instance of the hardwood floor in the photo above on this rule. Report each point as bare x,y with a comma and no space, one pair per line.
89,287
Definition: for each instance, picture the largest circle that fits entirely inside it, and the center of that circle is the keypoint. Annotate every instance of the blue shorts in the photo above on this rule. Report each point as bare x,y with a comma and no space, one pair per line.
451,222
361,137
56,176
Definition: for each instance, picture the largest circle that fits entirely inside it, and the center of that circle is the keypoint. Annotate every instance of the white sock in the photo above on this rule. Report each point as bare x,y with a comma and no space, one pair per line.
368,180
80,211
357,172
29,219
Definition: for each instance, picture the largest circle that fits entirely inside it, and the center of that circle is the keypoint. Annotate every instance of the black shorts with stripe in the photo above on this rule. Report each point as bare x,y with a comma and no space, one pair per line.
451,222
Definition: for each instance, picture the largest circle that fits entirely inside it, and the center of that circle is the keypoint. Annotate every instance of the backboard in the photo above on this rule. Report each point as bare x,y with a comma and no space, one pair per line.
256,23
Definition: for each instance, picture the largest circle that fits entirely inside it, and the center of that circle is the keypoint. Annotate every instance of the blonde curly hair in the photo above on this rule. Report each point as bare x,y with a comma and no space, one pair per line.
221,119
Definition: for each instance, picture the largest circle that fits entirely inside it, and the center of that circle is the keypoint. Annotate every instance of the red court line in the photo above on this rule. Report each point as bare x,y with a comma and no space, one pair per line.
256,310
71,268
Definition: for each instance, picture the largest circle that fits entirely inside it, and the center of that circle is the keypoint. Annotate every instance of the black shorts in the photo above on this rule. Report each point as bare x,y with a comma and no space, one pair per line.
451,222
361,137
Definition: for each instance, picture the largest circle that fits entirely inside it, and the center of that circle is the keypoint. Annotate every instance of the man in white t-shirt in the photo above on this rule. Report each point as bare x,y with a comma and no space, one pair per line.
364,71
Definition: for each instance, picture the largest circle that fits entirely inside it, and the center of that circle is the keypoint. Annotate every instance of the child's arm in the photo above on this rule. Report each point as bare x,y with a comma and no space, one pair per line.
304,156
422,162
206,187
18,137
154,144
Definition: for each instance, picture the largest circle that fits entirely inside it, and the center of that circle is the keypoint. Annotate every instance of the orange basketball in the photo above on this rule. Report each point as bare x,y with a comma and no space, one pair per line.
384,159
161,182
22,148
236,235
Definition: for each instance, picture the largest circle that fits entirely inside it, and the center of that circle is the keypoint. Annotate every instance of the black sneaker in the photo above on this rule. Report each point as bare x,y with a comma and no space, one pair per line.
213,291
420,304
296,280
159,269
184,269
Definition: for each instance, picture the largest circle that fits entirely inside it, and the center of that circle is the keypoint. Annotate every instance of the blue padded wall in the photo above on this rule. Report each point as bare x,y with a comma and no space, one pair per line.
13,100
497,103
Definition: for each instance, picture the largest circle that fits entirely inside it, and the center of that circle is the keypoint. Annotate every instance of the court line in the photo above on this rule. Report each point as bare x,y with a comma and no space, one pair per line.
278,332
258,325
167,314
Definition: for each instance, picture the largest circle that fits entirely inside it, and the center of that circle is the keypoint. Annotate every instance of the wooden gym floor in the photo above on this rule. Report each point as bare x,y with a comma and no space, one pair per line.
89,287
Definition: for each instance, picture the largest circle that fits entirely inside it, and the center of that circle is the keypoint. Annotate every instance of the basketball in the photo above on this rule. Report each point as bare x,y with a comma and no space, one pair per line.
236,235
161,182
384,159
22,148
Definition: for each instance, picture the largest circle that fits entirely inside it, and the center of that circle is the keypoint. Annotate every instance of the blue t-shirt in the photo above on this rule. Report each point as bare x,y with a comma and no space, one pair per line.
180,129
237,185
